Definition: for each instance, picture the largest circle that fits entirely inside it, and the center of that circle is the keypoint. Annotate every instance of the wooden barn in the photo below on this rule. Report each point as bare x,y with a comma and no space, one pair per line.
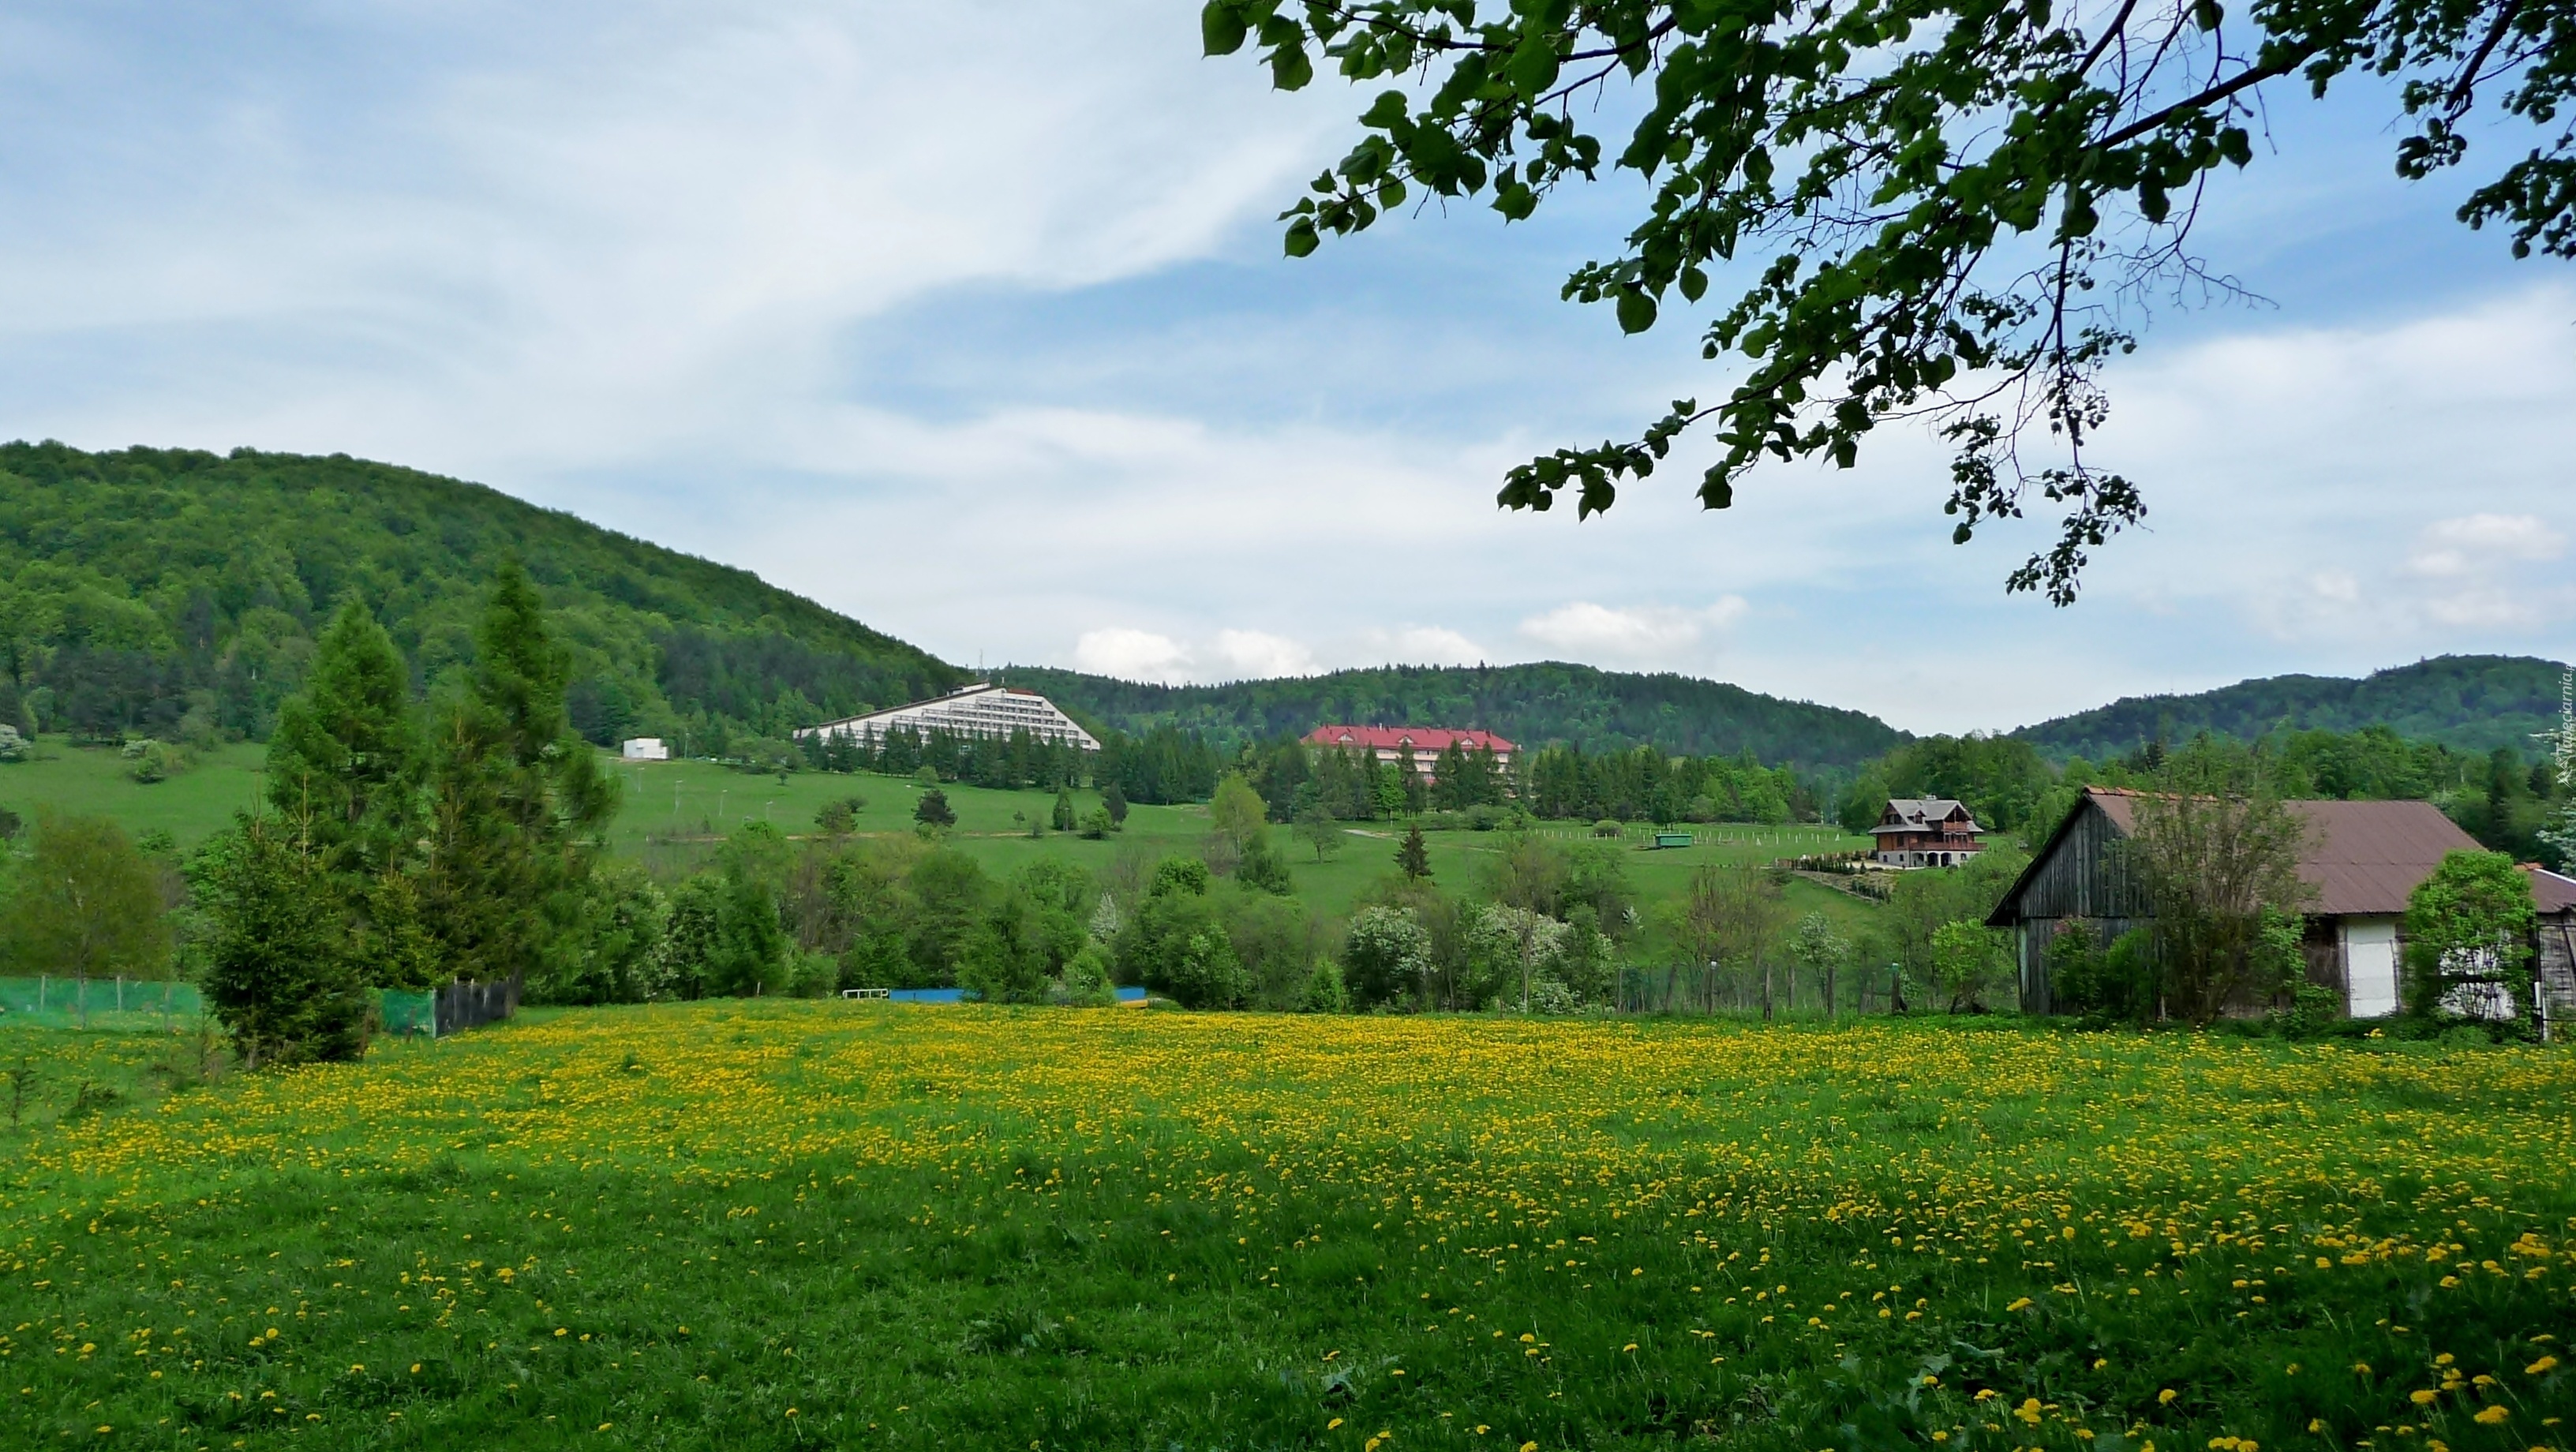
2363,859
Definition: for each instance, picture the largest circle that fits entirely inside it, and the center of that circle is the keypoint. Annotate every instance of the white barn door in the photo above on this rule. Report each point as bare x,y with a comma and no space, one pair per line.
2370,966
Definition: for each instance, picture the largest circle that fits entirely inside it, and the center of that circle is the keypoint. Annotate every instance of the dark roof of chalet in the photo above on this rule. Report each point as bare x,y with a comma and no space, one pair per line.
2363,858
1918,814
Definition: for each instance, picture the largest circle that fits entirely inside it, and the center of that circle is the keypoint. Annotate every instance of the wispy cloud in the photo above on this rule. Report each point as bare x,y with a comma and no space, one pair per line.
1661,635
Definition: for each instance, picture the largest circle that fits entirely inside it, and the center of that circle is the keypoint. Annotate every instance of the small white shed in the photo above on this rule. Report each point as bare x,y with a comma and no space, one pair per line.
647,748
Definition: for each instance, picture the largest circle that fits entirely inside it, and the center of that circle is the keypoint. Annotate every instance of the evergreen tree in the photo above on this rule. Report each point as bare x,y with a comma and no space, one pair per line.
933,810
1261,866
343,763
1413,858
1063,819
1114,801
279,974
517,800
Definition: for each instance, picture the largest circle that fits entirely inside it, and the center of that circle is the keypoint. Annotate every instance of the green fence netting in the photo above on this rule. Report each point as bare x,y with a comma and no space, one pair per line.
410,1013
108,1002
44,1002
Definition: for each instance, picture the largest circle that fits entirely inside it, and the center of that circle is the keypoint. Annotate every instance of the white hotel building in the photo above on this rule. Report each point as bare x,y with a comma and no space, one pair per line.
979,710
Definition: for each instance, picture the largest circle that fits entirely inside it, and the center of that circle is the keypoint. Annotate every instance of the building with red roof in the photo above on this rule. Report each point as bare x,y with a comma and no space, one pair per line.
1424,743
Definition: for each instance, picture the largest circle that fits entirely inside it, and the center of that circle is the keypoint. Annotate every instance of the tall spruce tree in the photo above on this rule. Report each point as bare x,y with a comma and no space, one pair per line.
344,762
517,800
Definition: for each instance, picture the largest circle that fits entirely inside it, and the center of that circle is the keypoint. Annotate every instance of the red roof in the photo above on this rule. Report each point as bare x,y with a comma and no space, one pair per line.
1425,740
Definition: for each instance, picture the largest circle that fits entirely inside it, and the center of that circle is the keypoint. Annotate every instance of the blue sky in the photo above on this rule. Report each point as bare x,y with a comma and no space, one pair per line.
970,320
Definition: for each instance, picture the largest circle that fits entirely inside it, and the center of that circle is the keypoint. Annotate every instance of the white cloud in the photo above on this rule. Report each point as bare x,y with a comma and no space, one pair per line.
1134,655
1251,654
2472,543
1418,645
1644,634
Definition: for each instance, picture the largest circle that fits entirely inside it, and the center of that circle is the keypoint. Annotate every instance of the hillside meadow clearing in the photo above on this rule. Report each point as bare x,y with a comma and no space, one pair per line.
789,1224
672,816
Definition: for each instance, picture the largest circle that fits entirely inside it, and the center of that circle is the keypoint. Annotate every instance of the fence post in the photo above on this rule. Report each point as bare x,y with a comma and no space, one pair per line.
41,983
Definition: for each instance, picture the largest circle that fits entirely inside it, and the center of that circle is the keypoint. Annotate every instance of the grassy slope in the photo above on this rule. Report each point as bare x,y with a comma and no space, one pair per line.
692,800
93,782
782,1225
674,810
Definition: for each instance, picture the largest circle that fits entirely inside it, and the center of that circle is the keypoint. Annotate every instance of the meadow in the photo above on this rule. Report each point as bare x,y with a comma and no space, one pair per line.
673,815
778,1224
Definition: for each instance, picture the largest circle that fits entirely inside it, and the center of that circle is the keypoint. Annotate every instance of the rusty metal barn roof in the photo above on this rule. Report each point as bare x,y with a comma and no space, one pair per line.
2363,858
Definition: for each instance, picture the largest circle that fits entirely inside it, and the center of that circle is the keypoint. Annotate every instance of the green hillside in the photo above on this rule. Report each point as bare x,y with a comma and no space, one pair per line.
175,594
1530,704
2472,703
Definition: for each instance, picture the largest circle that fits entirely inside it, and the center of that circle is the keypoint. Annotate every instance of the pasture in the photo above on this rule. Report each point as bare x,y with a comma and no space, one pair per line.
791,1224
672,816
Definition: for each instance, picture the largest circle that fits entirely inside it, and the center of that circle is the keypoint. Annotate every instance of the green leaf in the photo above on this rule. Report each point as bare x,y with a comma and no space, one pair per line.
1301,239
1714,490
1386,112
1222,27
1290,69
1636,310
1534,63
1694,283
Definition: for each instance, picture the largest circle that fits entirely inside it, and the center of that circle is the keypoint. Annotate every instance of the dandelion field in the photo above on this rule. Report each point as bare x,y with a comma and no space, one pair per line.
753,1225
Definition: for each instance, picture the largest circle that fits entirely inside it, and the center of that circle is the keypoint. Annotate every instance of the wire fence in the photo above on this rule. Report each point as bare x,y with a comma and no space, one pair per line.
96,1002
132,1003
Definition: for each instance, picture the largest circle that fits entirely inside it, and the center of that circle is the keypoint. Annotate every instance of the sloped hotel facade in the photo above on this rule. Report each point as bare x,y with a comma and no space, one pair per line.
2363,860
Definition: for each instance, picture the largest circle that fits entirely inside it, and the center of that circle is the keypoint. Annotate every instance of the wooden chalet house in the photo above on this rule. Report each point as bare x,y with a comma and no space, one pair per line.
2363,860
1925,832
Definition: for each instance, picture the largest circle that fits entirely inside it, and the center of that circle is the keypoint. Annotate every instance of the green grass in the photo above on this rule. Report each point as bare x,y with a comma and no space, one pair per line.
94,781
674,813
787,1225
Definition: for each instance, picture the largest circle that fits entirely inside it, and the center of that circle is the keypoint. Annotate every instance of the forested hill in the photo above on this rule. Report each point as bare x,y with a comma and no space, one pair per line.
2470,703
176,594
1530,704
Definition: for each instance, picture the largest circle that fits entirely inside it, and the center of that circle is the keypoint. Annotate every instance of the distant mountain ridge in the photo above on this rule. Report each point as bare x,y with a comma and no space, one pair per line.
1530,704
176,592
2466,702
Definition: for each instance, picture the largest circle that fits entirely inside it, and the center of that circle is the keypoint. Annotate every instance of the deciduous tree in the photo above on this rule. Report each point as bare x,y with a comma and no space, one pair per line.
84,905
1924,207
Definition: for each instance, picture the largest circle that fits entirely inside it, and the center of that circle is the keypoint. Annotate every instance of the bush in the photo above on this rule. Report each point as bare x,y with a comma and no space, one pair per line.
1176,946
278,973
1968,965
1385,959
154,761
1324,990
1607,827
1262,867
13,747
813,975
933,810
2468,948
839,816
1085,983
1005,959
